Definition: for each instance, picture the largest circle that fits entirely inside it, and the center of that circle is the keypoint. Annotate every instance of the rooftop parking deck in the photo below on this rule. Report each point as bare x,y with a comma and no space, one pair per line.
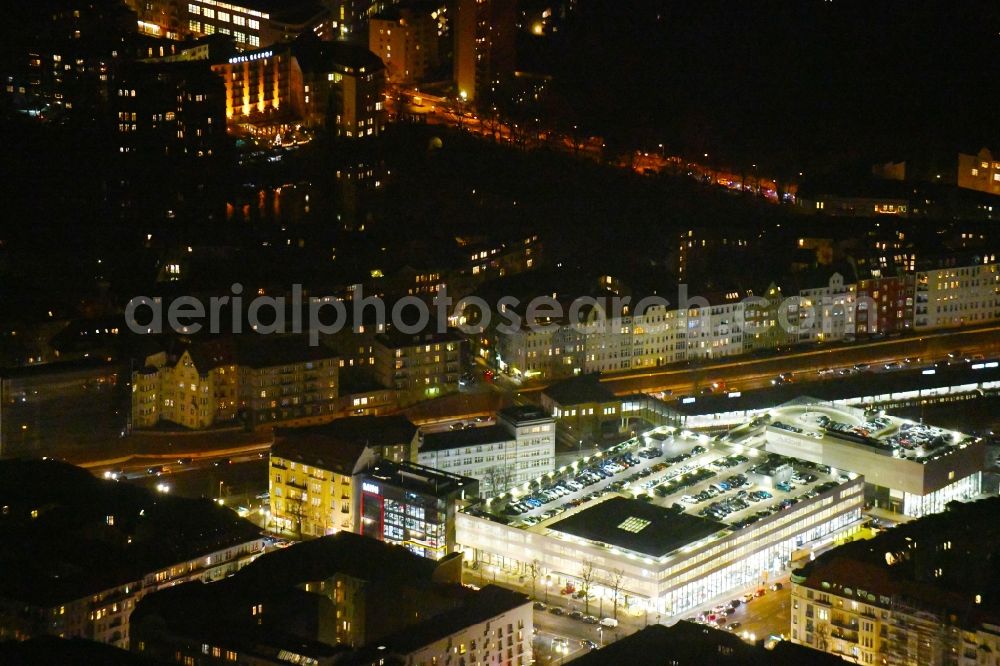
689,477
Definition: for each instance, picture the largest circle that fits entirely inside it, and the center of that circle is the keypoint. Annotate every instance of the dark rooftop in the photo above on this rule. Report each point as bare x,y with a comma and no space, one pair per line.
859,384
259,351
579,390
422,479
637,526
454,439
520,413
339,444
907,564
315,55
690,644
52,650
216,611
70,550
396,339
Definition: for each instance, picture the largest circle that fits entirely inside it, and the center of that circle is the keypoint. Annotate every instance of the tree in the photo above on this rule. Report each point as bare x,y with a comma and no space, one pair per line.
499,478
534,571
586,577
616,585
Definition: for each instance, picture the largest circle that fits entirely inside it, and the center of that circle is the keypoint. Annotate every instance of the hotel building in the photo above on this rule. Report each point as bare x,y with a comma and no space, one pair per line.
334,85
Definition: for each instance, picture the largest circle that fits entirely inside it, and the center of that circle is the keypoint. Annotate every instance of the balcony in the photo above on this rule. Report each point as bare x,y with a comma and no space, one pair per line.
844,635
296,484
844,624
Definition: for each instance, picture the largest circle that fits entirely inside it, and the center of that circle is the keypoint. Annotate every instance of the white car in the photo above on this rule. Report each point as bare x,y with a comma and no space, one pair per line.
689,500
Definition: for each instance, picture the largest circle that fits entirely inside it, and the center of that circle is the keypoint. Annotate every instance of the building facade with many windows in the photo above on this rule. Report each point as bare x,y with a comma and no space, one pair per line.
519,447
313,471
412,506
959,296
911,596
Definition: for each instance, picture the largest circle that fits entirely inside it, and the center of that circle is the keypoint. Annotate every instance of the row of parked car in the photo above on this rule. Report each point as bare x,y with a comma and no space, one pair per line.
586,477
608,622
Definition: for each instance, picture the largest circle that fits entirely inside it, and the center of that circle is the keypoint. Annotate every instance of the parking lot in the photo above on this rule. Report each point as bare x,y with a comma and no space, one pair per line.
715,480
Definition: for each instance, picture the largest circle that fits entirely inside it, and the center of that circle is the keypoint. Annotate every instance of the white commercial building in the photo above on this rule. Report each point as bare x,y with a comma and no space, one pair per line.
908,467
519,447
671,551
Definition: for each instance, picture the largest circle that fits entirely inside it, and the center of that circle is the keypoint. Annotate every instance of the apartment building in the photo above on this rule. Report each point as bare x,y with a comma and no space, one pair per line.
420,365
826,313
343,599
312,471
252,380
406,39
979,172
73,515
286,381
196,389
715,329
885,305
519,447
484,48
957,296
174,110
912,596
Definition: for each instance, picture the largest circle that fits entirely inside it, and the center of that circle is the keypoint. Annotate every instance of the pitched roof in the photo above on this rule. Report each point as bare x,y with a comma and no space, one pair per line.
339,445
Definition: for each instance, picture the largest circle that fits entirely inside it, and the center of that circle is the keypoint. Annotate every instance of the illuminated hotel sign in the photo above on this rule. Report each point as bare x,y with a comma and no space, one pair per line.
370,488
260,55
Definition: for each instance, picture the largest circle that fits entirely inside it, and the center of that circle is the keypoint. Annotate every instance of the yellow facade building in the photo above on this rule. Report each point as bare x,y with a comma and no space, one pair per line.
312,470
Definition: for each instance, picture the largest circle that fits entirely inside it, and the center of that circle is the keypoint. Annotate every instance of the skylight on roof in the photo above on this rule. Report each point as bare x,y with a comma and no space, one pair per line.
633,524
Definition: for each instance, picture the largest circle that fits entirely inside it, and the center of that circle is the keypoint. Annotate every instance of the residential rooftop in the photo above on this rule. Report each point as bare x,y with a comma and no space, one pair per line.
338,445
689,644
943,562
518,414
69,535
